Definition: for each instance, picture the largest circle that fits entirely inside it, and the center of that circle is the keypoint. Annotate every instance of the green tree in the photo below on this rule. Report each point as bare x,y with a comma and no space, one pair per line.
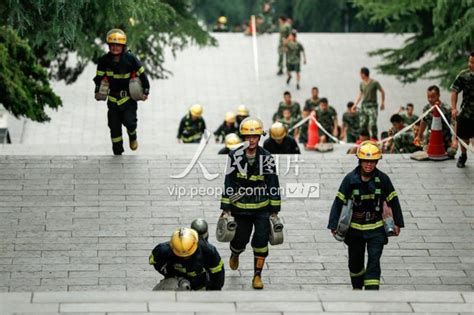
441,34
61,31
24,85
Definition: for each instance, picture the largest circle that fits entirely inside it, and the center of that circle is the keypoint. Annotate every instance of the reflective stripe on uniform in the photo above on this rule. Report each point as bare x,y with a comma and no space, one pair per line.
225,201
260,250
392,195
118,101
193,137
118,139
100,73
365,227
182,270
358,274
367,197
251,205
252,177
341,196
141,70
151,260
132,133
368,282
118,75
217,268
275,202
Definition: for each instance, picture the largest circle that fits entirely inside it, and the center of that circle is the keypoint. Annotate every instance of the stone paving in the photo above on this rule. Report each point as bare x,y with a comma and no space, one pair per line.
84,223
75,218
222,78
236,302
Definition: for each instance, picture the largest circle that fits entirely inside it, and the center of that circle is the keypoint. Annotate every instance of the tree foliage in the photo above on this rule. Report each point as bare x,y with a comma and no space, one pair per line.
61,31
24,84
441,36
308,15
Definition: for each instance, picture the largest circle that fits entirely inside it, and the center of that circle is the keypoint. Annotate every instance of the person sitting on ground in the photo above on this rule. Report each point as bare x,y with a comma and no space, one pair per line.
327,117
408,117
350,124
403,142
288,121
294,107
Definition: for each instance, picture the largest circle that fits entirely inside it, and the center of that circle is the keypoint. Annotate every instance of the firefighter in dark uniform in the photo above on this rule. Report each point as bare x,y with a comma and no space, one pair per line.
232,141
369,188
192,126
227,127
242,113
186,256
280,142
251,196
118,67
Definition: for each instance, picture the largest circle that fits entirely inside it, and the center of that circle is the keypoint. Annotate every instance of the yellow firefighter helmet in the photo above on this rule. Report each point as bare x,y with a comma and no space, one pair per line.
116,36
369,150
196,110
242,110
229,117
184,242
251,126
222,20
278,131
232,141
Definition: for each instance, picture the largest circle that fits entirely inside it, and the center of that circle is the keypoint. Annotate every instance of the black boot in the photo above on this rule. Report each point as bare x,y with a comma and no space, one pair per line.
462,160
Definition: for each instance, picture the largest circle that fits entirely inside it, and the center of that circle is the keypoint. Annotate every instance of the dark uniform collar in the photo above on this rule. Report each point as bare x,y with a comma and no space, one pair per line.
356,177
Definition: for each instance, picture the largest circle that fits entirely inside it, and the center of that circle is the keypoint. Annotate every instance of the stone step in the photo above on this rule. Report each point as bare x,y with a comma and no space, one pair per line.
70,223
145,148
238,302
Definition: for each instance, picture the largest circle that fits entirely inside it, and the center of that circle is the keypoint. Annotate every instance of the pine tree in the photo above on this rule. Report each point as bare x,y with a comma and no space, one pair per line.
24,85
61,32
441,35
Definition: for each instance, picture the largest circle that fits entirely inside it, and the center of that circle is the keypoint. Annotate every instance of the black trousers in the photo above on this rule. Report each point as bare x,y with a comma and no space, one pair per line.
374,241
245,225
125,114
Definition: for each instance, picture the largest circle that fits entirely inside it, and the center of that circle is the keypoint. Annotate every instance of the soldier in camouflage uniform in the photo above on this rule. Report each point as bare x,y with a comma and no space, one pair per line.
408,117
369,109
464,83
294,107
313,102
403,143
288,121
285,30
433,96
302,136
327,117
350,124
294,49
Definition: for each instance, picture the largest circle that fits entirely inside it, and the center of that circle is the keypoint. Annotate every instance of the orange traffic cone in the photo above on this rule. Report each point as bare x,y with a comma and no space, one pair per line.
436,150
313,135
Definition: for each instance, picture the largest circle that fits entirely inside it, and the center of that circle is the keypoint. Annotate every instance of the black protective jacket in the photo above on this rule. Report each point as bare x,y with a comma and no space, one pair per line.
118,74
204,269
368,198
288,146
251,189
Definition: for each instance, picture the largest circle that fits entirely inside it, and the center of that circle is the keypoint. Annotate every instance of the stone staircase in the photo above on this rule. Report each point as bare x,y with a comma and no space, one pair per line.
237,302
